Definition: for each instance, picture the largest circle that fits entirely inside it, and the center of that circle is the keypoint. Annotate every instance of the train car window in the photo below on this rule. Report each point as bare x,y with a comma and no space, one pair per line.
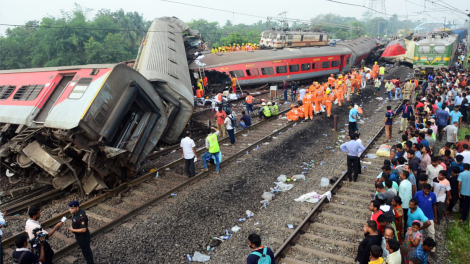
305,67
439,49
281,69
20,92
237,73
424,49
28,92
325,64
294,68
335,63
267,71
290,37
313,66
321,37
6,91
80,88
347,61
252,72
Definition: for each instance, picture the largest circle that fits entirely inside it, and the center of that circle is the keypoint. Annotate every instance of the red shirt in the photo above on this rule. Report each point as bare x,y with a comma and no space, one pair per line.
220,117
374,217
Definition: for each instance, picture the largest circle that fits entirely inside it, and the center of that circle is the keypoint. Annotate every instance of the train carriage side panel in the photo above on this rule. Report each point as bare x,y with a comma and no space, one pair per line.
163,62
361,48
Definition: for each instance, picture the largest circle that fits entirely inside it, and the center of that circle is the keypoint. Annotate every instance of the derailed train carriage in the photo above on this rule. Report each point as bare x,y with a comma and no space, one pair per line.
92,126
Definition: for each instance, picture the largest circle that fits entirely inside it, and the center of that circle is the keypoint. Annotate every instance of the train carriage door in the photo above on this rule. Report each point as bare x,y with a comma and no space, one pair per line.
341,63
58,90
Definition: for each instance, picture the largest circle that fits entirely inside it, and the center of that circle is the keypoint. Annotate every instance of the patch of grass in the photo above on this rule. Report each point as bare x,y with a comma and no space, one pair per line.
458,240
463,130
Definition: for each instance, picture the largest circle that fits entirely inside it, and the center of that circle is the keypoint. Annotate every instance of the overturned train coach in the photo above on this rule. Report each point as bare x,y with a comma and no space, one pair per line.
274,66
90,126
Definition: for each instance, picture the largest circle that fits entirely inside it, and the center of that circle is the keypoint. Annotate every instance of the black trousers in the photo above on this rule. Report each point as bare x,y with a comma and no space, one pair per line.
48,254
189,167
353,165
84,241
453,202
465,206
352,128
439,130
405,218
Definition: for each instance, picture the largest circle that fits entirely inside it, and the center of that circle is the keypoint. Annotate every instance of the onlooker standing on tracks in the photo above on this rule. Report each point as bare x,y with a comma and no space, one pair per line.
2,224
372,237
399,219
441,187
249,103
376,255
388,123
423,250
452,131
405,192
188,151
456,116
389,88
348,89
23,255
213,149
377,84
393,247
33,223
413,237
220,116
245,121
352,120
353,148
427,202
415,213
442,116
407,112
260,253
285,86
464,191
80,229
293,91
230,127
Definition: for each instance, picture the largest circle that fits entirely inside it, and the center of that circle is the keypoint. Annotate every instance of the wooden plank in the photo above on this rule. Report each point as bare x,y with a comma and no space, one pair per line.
339,196
113,209
342,207
330,241
324,254
355,191
99,217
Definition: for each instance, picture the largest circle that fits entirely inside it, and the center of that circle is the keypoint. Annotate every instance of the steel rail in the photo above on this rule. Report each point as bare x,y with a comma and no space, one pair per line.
24,202
290,241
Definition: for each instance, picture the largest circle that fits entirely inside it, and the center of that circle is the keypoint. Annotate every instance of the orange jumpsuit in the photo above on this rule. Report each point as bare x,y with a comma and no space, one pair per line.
340,93
307,101
358,81
318,99
293,115
327,101
331,80
301,111
375,71
353,82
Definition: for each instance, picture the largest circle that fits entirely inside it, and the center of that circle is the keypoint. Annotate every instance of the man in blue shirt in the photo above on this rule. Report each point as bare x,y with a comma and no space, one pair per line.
352,120
407,110
422,251
245,121
456,115
254,242
353,148
415,213
464,191
441,121
427,202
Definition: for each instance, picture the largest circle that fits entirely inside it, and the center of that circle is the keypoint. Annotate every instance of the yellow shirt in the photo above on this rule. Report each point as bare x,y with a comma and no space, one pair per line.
378,261
234,81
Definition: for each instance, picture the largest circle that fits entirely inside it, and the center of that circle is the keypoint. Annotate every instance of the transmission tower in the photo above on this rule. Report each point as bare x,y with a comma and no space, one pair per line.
375,7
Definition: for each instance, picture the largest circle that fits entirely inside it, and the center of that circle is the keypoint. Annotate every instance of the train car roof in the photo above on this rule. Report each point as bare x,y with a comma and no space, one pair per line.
61,68
440,41
236,57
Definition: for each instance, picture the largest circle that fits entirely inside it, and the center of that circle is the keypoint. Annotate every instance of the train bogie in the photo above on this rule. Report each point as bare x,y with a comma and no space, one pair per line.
291,39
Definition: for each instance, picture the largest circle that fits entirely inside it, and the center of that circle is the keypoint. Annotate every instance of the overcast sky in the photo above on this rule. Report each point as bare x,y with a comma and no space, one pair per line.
21,11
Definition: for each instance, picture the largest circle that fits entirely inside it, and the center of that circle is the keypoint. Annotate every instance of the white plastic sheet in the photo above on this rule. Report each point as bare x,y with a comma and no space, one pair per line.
311,197
199,257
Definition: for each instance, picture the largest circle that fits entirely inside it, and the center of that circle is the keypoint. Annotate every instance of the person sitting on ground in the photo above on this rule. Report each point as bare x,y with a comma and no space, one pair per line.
376,255
422,251
259,253
23,255
413,238
393,247
245,121
372,237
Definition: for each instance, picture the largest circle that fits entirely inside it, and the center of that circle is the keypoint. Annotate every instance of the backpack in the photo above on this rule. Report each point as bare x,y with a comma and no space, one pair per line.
232,120
389,215
18,261
263,258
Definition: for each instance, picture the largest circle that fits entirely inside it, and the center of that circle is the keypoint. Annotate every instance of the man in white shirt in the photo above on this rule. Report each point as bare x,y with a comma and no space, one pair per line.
188,152
452,131
433,169
33,223
465,154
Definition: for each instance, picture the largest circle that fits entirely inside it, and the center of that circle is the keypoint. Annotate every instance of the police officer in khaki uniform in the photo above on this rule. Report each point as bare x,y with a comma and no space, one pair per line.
408,88
80,229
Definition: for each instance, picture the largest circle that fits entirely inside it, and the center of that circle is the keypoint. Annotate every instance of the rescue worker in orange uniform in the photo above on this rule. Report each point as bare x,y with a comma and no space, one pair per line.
331,79
353,81
307,101
338,80
206,81
340,89
243,46
358,82
311,88
293,115
301,111
375,70
318,99
328,99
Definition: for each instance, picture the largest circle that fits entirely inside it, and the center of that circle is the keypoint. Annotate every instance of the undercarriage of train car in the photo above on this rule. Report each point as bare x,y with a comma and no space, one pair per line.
63,158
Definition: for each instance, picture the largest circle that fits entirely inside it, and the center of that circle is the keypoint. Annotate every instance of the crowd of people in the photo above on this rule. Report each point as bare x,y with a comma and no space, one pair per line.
420,184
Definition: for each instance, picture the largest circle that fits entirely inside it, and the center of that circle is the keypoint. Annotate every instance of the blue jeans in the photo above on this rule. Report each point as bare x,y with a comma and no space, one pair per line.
231,134
249,108
216,158
242,124
389,95
285,94
398,91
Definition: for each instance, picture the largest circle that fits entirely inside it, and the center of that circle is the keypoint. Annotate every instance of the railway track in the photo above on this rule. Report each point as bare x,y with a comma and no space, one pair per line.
332,230
118,206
